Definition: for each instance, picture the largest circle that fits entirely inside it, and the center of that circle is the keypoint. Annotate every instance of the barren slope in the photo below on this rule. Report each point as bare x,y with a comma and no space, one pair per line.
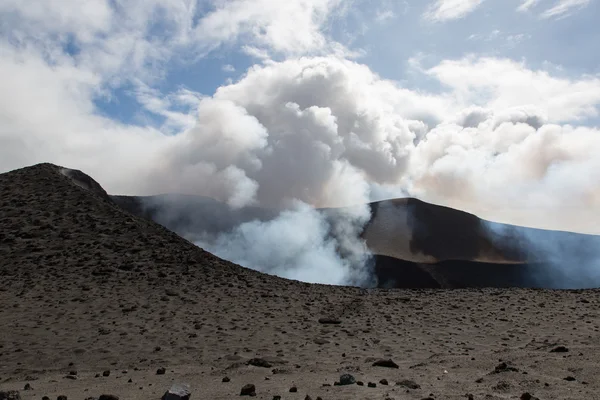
87,287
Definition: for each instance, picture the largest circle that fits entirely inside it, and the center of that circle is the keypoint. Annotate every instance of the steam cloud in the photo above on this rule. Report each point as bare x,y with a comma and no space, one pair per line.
328,132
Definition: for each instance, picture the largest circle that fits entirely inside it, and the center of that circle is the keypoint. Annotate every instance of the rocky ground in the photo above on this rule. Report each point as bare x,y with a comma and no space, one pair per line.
96,301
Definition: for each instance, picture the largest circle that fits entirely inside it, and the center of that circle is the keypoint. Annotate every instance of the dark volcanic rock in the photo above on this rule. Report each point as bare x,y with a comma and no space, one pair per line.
10,395
248,390
385,364
407,383
347,379
108,397
161,371
329,321
559,349
177,392
504,367
259,362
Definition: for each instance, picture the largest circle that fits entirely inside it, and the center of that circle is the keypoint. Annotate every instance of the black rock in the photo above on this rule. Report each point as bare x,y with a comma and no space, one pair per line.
248,390
108,397
61,397
307,397
161,371
293,389
276,397
570,379
527,396
10,395
560,349
383,381
329,321
226,379
385,364
504,367
371,384
259,362
360,383
27,387
45,398
407,383
177,392
347,379
106,373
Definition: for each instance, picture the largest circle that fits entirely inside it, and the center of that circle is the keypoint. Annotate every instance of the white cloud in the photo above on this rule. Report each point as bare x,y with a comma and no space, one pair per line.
503,83
527,4
564,8
445,10
228,68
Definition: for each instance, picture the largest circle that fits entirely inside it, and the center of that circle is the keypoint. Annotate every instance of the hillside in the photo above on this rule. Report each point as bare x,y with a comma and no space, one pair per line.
87,287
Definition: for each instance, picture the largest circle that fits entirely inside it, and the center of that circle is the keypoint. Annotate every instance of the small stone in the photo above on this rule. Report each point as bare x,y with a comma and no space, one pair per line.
407,383
259,362
371,384
161,371
61,397
248,390
570,379
27,387
307,397
528,396
108,397
10,395
504,367
560,349
276,397
45,398
385,364
329,321
293,389
347,379
177,392
383,381
130,380
226,379
360,383
106,373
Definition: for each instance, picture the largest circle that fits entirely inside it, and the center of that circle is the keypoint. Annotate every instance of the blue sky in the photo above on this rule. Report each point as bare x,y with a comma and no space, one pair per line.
486,105
390,35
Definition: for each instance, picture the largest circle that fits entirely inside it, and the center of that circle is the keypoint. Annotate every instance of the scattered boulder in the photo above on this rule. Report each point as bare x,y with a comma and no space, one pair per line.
226,379
347,379
360,383
108,397
407,383
27,387
570,379
307,397
276,397
383,381
61,397
293,389
504,367
371,384
177,392
329,321
106,373
10,395
161,371
560,349
528,396
259,362
385,364
248,390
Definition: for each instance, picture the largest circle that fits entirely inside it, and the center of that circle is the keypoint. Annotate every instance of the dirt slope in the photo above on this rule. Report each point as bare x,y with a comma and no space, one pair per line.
87,287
